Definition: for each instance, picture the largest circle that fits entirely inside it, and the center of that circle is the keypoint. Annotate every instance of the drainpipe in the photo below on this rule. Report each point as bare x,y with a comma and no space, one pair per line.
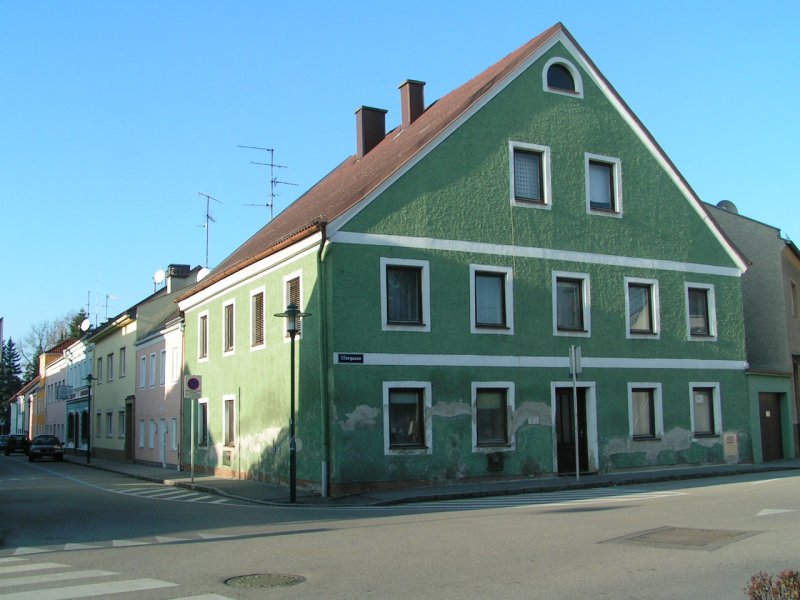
181,423
323,360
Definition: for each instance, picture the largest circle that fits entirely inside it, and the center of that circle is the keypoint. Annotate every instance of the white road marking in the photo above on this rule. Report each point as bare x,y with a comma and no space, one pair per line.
36,579
126,543
774,511
24,550
30,567
90,590
80,547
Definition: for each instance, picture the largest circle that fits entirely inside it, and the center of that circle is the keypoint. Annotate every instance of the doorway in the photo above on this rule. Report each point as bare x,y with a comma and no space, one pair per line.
769,405
129,431
565,431
162,442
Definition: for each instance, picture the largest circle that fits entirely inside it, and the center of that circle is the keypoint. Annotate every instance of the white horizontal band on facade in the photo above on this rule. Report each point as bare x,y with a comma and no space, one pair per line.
526,362
373,239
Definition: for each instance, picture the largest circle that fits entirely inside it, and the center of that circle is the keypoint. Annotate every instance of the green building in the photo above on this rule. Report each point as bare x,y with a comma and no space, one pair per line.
449,267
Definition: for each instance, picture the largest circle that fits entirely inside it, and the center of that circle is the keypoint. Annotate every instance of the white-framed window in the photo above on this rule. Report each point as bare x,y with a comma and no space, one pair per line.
603,185
229,420
122,367
645,414
492,415
642,310
202,336
560,76
491,291
257,319
530,174
109,424
202,422
173,434
121,424
405,294
141,433
701,312
99,378
142,371
162,369
151,439
293,294
706,409
406,417
228,328
571,304
152,369
176,364
110,367
98,424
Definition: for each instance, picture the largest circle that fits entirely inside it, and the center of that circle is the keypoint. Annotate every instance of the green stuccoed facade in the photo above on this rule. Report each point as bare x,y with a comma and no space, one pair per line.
439,395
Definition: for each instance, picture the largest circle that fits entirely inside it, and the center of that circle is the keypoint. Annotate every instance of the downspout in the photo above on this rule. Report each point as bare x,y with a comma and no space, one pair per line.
323,360
182,422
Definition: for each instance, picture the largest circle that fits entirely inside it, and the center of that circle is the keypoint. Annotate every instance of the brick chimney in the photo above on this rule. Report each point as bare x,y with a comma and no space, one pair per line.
370,129
412,101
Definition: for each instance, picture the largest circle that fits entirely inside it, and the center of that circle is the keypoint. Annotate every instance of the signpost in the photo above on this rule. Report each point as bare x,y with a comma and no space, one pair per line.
574,369
192,389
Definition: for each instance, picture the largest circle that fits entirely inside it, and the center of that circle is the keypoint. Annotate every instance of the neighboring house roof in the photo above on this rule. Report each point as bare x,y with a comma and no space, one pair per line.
61,346
25,388
354,180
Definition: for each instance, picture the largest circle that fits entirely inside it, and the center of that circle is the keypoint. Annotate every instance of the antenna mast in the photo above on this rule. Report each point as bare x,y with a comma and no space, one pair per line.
209,218
273,181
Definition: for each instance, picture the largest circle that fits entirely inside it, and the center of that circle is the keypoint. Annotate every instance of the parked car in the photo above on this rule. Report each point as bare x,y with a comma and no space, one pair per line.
44,446
17,442
3,441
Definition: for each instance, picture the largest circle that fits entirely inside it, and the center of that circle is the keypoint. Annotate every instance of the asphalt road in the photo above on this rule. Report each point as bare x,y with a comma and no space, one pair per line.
72,532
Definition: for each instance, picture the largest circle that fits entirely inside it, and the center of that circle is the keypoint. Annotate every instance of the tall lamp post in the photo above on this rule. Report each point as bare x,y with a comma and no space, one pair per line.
89,380
291,315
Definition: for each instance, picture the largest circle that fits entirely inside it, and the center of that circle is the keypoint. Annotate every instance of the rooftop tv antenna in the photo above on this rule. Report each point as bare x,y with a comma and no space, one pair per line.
273,181
209,218
109,297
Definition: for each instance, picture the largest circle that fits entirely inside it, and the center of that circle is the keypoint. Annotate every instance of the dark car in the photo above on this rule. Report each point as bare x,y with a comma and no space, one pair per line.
3,441
17,442
44,446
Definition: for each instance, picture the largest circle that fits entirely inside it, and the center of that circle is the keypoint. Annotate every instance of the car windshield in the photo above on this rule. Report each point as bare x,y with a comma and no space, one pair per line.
46,439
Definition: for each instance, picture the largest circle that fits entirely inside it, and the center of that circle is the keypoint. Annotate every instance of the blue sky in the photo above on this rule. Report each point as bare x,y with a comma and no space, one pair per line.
115,115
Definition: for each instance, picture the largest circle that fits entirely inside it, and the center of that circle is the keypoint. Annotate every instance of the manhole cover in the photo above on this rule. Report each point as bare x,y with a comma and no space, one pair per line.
265,580
684,538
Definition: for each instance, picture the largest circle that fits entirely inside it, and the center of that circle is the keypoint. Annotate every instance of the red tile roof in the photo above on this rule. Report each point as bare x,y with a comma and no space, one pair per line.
353,179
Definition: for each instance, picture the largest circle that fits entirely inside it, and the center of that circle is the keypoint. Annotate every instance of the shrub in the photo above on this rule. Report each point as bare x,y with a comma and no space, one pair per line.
783,586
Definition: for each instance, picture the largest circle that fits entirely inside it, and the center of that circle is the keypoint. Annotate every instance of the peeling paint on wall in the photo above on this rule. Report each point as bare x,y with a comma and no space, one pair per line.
451,409
532,413
362,417
261,442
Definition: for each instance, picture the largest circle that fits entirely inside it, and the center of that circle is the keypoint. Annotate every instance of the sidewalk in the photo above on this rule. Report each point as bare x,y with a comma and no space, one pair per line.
267,493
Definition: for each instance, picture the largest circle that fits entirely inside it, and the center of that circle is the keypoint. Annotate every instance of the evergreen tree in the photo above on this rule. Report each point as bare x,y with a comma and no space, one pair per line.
10,380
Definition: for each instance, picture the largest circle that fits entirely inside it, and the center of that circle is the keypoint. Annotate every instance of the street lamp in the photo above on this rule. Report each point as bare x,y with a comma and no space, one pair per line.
89,380
291,315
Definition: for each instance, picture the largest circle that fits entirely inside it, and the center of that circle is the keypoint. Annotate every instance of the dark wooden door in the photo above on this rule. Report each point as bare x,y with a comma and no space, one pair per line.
565,430
129,431
771,436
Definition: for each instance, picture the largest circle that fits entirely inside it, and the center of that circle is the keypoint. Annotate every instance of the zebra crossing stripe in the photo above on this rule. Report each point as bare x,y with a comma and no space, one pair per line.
53,577
125,543
23,550
27,567
90,590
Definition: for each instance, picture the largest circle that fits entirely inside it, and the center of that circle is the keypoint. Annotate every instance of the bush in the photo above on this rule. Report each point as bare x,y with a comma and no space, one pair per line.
783,586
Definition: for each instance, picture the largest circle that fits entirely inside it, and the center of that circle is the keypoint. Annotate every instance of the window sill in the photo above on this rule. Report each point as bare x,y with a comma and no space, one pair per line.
705,436
646,438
